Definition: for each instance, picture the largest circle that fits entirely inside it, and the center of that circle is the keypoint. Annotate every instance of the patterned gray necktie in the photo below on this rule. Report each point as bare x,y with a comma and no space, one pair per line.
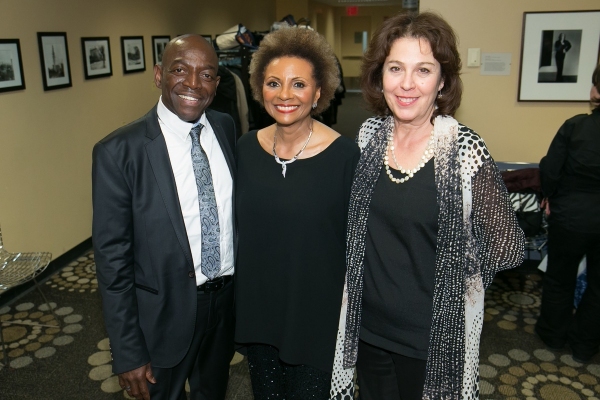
209,216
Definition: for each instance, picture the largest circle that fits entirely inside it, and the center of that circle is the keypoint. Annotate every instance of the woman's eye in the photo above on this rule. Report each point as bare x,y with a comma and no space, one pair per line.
272,84
424,71
299,85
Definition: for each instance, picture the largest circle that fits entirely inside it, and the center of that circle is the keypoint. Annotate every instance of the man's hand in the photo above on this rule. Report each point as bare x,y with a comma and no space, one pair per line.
135,382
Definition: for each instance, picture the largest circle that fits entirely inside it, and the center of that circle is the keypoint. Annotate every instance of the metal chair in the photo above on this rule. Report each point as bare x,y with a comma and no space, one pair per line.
16,269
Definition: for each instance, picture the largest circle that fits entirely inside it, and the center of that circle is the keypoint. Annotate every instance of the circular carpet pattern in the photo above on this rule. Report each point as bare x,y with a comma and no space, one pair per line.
102,369
79,275
538,375
513,301
26,341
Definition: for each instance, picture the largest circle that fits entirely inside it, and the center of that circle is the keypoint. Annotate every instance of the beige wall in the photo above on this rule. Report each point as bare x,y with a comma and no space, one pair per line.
298,8
344,45
514,131
46,138
323,20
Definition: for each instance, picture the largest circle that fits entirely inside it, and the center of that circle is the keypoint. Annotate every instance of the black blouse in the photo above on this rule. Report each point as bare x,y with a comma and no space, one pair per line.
400,264
291,256
570,174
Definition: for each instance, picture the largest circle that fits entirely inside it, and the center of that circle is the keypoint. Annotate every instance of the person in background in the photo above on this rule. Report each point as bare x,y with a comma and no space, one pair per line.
430,222
561,47
292,193
163,234
570,175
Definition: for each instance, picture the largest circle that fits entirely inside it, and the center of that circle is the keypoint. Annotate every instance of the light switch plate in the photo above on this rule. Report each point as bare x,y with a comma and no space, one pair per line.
474,57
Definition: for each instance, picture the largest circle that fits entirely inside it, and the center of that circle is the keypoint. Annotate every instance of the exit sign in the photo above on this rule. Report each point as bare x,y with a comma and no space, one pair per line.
352,11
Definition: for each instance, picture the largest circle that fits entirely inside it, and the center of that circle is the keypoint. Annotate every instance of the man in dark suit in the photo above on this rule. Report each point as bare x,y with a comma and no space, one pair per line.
163,234
561,47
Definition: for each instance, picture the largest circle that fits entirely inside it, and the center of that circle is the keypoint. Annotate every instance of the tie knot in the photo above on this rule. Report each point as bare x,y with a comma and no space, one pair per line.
195,131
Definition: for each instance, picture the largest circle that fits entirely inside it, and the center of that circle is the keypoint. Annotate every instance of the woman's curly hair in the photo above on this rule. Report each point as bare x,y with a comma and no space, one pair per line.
301,43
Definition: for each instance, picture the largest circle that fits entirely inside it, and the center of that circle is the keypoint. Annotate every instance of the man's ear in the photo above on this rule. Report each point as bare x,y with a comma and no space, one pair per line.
158,76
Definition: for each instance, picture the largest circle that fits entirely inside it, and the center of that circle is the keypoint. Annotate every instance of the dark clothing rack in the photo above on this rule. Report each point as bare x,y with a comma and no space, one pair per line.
238,61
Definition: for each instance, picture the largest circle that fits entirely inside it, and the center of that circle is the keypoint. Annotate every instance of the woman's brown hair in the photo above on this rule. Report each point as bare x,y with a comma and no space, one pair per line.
442,39
596,83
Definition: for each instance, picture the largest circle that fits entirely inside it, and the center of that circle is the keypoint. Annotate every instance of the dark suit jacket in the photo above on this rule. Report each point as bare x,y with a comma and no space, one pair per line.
143,258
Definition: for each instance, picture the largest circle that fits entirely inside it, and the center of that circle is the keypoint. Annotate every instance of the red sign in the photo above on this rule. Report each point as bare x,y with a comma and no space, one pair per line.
352,11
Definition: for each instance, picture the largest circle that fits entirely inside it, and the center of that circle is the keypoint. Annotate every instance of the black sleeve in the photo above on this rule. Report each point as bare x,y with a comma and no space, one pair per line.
500,240
552,165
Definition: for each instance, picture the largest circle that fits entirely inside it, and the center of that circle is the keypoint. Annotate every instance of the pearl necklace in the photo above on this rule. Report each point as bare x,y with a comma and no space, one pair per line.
427,154
285,163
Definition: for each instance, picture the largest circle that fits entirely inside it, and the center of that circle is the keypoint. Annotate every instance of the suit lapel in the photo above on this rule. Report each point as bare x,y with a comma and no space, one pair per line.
223,142
160,163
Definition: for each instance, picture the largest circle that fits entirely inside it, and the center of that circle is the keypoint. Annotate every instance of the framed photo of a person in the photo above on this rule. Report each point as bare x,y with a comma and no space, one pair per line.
11,66
158,47
54,59
559,51
132,49
96,57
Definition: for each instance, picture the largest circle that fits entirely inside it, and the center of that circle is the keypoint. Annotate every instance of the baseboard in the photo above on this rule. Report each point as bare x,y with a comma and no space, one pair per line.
55,265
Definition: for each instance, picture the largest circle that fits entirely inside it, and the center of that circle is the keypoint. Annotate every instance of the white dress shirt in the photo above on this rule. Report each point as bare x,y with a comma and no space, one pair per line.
179,146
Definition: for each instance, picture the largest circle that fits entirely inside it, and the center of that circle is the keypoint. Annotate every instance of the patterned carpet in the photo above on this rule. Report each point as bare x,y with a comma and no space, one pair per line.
73,362
514,363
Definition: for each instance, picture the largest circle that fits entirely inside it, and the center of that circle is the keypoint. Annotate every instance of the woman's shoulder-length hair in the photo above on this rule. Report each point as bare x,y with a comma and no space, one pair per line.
443,41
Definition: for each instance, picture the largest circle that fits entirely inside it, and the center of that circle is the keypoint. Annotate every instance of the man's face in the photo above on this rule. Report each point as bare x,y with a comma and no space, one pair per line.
188,77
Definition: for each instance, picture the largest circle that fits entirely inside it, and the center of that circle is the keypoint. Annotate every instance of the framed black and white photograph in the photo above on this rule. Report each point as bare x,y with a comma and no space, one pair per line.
158,47
559,51
208,38
54,59
11,66
132,49
96,57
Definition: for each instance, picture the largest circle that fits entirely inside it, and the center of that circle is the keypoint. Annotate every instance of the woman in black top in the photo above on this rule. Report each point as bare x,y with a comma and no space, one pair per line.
292,192
570,174
429,222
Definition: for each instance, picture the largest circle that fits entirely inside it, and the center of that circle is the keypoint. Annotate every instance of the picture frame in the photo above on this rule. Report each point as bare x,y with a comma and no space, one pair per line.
559,51
209,39
96,57
11,66
132,51
158,47
54,60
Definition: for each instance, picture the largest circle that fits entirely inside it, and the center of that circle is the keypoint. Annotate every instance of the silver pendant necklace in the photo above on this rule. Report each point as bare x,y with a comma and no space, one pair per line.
285,163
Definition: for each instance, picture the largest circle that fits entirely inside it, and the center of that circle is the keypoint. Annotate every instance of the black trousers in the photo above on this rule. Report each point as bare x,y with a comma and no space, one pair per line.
557,325
206,364
386,375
